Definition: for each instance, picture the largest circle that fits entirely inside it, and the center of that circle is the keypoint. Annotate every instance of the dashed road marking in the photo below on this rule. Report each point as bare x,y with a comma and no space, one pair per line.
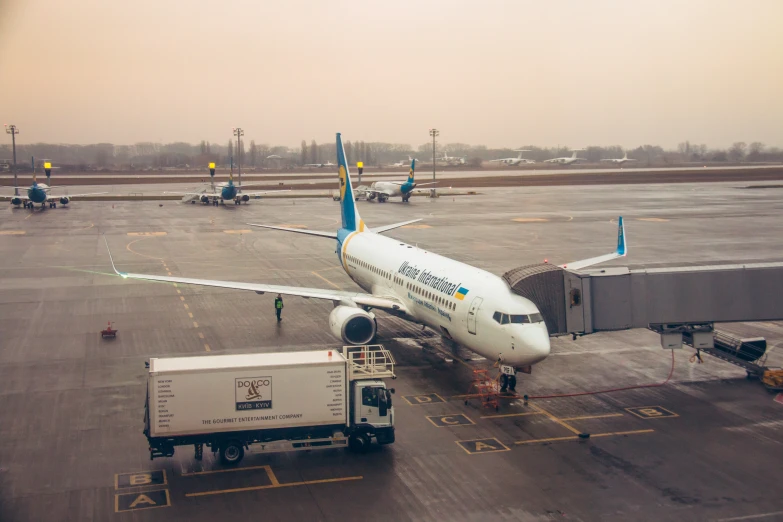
242,231
195,324
12,232
530,220
207,348
417,226
147,233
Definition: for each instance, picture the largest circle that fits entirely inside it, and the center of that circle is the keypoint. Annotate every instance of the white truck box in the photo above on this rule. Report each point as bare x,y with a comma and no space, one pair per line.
223,393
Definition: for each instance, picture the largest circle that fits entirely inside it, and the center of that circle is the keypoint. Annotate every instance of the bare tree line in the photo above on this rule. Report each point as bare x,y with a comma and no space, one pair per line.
179,155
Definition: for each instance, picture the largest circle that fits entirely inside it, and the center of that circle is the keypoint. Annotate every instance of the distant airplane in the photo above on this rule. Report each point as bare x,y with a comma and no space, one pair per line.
40,193
384,190
619,161
452,160
320,165
514,161
401,163
225,191
566,161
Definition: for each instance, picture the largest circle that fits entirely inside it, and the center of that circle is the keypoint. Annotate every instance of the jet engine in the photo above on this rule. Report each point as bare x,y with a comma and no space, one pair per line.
64,200
204,199
352,325
245,198
16,201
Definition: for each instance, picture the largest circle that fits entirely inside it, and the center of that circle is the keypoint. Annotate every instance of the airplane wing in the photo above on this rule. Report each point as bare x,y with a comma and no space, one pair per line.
4,196
257,193
622,251
386,228
384,303
208,194
330,235
422,184
69,196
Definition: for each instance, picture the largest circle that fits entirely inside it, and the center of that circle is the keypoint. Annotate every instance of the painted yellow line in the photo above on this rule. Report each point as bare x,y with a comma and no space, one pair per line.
190,314
634,432
513,415
558,421
530,220
195,324
553,439
13,232
214,471
129,249
169,273
592,436
274,486
179,292
206,347
181,298
416,226
200,335
289,225
146,233
185,305
243,231
319,276
608,415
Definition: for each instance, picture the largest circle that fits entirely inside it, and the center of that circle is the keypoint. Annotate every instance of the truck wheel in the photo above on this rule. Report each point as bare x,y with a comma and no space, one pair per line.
359,443
231,452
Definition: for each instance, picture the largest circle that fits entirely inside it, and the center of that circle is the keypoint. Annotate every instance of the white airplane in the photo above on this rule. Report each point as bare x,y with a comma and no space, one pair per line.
619,161
384,190
320,165
41,193
225,191
566,161
401,163
514,161
467,306
452,160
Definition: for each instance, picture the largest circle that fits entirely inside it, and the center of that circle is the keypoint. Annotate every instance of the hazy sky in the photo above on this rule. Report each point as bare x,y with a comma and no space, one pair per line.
499,73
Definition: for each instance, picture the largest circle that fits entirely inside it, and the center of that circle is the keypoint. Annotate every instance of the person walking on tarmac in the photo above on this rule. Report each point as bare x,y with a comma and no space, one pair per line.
279,307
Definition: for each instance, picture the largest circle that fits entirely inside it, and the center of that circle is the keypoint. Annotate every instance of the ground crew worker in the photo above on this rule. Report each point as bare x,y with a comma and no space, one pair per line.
279,306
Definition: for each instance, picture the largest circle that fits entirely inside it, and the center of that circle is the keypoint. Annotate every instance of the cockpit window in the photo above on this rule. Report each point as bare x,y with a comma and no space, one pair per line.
502,318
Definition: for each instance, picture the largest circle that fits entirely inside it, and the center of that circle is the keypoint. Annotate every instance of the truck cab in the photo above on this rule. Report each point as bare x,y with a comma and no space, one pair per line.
373,411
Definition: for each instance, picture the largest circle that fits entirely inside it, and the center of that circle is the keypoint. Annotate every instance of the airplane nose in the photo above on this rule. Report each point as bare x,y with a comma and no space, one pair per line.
535,340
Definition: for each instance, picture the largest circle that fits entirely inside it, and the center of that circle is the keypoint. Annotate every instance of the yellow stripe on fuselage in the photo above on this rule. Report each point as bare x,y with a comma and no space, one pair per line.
345,248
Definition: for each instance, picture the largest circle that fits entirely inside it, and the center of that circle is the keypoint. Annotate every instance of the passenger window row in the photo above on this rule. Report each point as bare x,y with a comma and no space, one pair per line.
432,296
517,319
427,294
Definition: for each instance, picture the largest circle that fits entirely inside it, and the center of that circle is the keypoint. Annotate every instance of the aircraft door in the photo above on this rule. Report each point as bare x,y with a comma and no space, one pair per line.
472,313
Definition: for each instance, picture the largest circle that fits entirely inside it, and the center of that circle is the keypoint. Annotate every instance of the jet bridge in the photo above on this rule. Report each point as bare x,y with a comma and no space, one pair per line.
680,303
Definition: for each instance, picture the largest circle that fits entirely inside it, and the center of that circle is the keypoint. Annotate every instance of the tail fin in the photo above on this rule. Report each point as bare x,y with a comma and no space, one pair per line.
411,173
350,214
573,155
625,155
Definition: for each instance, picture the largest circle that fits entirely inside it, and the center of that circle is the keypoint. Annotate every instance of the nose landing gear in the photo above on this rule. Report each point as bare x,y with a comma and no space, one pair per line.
508,382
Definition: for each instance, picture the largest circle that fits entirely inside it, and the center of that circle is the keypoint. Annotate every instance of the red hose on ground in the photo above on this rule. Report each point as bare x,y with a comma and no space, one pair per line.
671,372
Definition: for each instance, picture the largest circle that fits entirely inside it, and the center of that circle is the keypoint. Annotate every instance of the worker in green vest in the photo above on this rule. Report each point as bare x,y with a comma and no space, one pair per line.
279,306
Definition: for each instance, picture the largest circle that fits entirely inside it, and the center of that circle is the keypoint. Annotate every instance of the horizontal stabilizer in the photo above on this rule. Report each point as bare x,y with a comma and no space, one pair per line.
330,235
386,228
621,251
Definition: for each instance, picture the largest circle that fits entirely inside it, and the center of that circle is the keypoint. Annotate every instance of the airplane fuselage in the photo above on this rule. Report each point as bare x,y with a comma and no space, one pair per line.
394,189
38,193
228,191
460,302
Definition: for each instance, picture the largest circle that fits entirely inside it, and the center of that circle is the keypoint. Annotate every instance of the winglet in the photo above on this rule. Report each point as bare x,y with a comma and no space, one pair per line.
622,246
121,274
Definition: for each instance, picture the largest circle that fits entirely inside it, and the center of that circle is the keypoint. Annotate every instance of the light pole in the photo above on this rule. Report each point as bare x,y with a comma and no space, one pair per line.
238,132
13,131
434,133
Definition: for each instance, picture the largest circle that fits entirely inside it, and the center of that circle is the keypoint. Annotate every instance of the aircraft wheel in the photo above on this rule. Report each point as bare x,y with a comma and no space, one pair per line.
512,383
503,383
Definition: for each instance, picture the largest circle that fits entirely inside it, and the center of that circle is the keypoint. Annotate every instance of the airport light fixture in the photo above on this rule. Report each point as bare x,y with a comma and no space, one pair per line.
434,133
238,132
13,131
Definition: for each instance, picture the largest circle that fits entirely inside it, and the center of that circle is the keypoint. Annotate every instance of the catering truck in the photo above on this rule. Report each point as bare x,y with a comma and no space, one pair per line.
277,401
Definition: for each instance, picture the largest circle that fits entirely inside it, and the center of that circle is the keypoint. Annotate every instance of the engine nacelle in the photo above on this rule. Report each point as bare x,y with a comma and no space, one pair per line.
352,325
64,200
245,198
16,201
204,199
